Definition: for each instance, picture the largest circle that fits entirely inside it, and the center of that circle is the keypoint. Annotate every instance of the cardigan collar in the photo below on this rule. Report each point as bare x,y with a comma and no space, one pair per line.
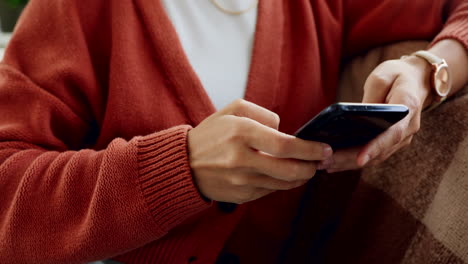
263,79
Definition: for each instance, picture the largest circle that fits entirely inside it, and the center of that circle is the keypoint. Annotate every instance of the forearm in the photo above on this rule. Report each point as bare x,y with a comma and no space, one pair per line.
456,56
79,206
451,43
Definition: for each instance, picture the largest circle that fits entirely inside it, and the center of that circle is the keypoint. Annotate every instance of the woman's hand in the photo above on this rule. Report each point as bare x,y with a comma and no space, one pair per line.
238,155
404,81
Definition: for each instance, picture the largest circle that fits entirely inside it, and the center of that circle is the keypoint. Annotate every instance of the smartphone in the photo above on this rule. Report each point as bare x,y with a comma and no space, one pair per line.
344,125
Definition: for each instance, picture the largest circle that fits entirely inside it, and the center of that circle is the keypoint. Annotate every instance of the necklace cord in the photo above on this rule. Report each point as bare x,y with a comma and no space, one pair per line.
232,12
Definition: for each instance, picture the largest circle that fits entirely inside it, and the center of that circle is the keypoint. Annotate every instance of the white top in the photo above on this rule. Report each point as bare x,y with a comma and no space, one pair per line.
4,38
218,45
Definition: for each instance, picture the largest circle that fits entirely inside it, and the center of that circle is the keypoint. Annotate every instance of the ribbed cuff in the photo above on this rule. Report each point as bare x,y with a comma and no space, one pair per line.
165,177
455,29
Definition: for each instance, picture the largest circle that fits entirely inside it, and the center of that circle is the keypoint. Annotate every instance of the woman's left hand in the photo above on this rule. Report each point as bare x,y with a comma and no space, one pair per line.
404,81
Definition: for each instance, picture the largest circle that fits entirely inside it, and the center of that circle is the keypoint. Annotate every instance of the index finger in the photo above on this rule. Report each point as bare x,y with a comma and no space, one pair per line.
243,108
384,142
282,145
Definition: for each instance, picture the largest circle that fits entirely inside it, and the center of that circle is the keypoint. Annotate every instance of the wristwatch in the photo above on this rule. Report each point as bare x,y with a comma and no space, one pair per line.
441,81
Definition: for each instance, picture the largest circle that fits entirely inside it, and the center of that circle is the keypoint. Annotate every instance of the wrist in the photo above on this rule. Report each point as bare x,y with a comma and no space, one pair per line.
456,56
423,69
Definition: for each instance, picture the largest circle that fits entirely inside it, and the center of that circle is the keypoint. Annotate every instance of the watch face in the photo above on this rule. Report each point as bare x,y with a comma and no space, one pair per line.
442,81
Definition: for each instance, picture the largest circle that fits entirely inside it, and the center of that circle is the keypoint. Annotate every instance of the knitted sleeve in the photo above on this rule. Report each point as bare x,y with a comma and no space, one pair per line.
60,200
371,23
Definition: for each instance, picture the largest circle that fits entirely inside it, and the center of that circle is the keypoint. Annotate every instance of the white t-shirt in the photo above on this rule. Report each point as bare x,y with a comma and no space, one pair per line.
218,45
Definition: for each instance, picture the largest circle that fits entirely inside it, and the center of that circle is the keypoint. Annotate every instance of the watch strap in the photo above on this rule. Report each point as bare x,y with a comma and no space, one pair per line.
429,57
435,61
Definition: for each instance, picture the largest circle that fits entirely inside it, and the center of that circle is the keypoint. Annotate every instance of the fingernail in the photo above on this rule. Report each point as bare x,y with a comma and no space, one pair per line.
327,151
325,164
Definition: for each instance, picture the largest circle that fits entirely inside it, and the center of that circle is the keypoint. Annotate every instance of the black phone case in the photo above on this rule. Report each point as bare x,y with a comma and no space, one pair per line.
348,125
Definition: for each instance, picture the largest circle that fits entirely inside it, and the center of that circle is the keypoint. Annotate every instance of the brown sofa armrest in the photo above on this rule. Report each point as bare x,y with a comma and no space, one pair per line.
428,180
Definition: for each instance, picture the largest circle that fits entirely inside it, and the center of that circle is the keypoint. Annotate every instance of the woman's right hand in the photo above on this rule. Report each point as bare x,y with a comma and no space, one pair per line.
238,155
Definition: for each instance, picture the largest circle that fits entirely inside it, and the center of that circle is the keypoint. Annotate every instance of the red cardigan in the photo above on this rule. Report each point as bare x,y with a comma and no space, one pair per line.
96,98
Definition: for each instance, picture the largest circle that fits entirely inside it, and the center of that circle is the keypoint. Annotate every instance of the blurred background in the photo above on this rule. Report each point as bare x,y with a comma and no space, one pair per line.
10,10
